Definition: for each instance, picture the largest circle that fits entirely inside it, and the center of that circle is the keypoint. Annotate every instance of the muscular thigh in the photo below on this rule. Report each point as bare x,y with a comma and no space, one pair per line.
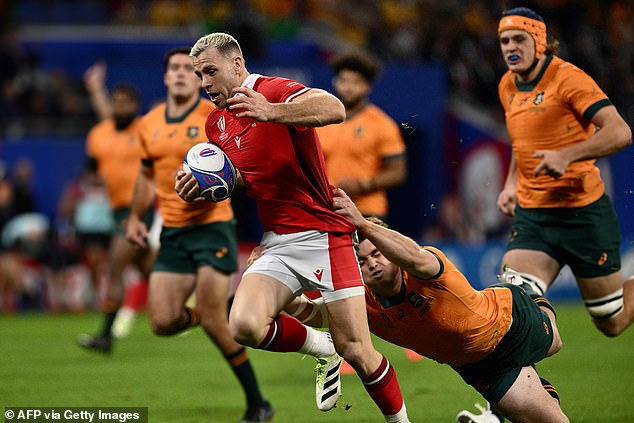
260,298
168,292
534,262
528,401
122,253
348,320
212,290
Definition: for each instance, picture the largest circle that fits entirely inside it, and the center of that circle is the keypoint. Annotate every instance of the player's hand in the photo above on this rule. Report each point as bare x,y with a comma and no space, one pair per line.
256,253
554,163
95,76
343,205
136,232
506,202
251,104
187,187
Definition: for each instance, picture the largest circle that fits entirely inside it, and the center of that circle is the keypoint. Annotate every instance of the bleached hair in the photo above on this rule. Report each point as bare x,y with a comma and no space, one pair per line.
225,43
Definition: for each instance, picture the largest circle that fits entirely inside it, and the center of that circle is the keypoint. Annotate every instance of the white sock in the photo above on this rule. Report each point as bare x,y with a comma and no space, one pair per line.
317,344
400,417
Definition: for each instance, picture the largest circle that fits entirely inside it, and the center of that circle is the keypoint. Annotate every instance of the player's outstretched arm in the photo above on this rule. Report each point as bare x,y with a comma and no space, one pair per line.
95,82
397,248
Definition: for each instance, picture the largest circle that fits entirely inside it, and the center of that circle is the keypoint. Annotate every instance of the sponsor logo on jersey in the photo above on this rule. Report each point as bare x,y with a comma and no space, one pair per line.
318,273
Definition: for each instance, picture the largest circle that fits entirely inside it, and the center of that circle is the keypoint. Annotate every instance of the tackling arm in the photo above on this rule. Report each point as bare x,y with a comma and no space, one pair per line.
397,248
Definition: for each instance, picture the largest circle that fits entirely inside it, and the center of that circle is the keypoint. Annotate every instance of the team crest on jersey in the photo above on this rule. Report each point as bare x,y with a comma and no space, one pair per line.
414,299
419,301
539,99
192,131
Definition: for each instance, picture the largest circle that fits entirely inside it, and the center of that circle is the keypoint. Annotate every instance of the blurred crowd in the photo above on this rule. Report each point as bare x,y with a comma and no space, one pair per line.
597,36
56,265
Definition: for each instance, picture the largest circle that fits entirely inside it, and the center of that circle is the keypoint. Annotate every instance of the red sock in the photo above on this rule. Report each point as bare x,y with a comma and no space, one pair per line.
286,334
136,295
384,389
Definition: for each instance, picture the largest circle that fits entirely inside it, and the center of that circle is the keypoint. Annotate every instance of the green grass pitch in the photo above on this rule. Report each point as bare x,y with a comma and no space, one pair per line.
184,378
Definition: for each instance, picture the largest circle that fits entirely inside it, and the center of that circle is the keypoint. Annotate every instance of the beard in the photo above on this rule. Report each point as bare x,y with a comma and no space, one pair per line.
122,122
353,103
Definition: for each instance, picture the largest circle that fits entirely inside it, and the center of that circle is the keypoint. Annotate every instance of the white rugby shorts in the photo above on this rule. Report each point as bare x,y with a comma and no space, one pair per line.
311,261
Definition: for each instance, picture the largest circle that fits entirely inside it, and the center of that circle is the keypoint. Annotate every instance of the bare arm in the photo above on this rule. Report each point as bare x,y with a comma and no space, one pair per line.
613,136
313,108
393,173
397,248
95,82
142,199
508,197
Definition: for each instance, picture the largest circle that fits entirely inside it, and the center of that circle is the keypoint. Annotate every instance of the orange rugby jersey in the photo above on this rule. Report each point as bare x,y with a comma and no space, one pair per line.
165,143
118,155
356,149
444,319
549,113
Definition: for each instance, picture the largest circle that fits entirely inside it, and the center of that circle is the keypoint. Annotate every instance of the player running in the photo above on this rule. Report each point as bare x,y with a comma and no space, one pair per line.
266,127
199,247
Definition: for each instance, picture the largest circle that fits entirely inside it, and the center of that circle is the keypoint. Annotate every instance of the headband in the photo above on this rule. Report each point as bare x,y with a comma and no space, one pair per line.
535,28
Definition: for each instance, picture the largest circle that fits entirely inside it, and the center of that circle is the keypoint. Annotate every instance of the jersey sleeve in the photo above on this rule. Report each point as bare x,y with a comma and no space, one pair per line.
503,90
142,133
582,93
392,144
280,90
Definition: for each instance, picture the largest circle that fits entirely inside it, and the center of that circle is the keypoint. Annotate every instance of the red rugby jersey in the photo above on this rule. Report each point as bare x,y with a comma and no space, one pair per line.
282,166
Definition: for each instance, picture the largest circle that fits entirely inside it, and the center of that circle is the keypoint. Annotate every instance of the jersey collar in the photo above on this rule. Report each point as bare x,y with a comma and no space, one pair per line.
530,85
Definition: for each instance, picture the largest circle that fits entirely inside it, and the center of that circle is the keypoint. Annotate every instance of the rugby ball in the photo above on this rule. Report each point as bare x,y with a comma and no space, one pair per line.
214,172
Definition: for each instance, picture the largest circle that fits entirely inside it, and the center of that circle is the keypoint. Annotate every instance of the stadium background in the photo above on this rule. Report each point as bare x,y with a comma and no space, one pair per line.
442,65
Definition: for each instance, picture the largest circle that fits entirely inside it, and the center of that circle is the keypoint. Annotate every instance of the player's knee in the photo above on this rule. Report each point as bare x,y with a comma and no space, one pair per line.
245,328
556,345
607,313
610,328
214,320
162,325
353,352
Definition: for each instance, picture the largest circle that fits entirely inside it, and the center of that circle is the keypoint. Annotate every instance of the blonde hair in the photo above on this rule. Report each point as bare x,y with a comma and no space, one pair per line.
225,43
